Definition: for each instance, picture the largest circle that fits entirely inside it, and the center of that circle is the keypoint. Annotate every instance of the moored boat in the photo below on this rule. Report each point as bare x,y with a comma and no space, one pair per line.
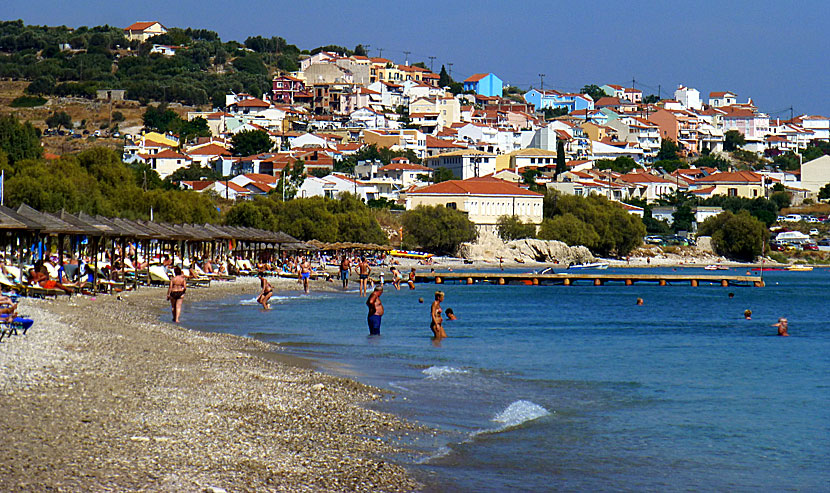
410,254
593,265
800,268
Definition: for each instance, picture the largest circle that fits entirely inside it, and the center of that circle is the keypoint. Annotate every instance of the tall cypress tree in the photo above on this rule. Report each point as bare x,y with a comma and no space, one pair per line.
560,158
444,78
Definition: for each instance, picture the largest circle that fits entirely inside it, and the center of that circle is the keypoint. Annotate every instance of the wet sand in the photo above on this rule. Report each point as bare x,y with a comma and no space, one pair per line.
100,395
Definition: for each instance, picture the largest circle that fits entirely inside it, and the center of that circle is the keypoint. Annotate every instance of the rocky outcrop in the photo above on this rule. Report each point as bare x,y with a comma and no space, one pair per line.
489,247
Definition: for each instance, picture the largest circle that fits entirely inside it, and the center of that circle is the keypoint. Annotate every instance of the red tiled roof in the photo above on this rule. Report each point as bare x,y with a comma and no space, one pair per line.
437,143
259,177
140,26
404,167
168,154
252,103
720,94
703,191
642,178
608,101
475,77
732,177
210,150
475,186
199,185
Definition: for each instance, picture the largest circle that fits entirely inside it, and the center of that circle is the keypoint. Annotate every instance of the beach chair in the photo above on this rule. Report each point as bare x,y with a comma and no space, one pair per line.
157,275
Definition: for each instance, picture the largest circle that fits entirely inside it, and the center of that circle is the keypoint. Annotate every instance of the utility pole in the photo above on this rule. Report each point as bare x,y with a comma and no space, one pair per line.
450,66
406,53
542,82
659,92
380,52
431,59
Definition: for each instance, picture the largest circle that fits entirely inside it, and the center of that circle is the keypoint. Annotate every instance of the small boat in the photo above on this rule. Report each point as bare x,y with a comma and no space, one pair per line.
800,268
767,269
594,265
716,267
410,254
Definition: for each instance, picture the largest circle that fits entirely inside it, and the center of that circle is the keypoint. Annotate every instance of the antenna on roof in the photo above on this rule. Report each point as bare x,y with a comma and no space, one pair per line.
542,81
380,52
431,59
406,62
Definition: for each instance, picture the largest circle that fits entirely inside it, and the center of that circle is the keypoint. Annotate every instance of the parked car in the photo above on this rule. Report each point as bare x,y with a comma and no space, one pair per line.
811,219
793,218
809,246
814,232
781,219
653,240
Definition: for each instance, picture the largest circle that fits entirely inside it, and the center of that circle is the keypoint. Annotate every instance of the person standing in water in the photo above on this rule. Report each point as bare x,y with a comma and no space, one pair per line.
411,281
345,267
363,271
782,327
375,310
437,322
266,293
175,292
396,278
305,273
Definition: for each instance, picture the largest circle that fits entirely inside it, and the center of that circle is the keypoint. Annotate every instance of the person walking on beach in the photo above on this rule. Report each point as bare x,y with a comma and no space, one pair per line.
345,267
437,323
305,273
375,310
267,291
175,292
363,271
782,327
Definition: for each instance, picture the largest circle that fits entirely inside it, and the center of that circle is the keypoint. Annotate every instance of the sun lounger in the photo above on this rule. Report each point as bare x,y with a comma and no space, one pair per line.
157,275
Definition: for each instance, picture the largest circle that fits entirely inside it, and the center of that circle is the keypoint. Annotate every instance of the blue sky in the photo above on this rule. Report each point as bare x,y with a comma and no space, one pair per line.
778,52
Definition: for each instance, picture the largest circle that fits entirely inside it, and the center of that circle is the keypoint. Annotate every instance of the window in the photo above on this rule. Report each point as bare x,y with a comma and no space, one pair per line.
732,192
451,205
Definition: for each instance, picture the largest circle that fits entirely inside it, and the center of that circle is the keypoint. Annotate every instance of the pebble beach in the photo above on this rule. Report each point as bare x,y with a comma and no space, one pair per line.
102,396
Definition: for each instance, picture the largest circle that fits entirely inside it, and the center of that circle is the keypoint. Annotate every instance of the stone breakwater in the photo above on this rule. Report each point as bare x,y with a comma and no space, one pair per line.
102,396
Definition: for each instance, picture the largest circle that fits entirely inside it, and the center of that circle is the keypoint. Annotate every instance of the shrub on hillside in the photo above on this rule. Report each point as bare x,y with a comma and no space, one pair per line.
737,236
512,228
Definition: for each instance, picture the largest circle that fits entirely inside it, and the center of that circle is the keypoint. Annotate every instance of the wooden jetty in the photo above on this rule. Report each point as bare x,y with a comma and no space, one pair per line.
596,279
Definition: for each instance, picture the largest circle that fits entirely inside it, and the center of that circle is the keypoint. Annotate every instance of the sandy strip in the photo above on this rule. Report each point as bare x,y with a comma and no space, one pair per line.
100,396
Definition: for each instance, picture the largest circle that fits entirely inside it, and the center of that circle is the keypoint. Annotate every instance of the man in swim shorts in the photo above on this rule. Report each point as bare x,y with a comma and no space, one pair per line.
363,271
375,310
305,273
345,267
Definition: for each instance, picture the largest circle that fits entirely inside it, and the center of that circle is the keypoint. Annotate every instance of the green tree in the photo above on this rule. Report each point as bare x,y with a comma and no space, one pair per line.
737,236
360,50
58,120
668,150
437,229
622,164
824,192
733,140
561,164
160,118
250,142
782,199
570,230
45,84
683,217
19,140
251,64
594,91
444,78
442,174
651,99
712,161
512,228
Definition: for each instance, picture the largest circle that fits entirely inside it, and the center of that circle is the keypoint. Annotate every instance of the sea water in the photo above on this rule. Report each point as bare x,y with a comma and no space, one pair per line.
555,388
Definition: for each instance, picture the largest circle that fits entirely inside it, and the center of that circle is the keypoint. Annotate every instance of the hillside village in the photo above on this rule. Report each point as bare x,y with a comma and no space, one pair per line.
498,146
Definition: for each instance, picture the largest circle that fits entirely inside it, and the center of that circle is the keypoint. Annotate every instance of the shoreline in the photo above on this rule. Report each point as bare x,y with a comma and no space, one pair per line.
101,395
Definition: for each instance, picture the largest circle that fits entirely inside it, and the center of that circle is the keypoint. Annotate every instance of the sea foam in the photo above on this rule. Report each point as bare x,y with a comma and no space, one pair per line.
435,372
520,412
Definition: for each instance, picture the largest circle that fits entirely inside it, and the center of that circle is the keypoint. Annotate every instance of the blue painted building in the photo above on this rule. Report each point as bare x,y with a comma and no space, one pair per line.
554,99
484,84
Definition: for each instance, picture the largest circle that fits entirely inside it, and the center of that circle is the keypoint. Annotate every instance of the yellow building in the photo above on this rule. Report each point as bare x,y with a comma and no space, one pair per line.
142,31
484,199
746,184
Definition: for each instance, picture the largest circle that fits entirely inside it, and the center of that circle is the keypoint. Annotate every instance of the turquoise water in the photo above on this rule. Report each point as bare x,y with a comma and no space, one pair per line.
576,388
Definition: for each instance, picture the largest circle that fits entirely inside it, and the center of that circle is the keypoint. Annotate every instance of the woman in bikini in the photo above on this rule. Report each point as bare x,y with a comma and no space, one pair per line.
175,292
266,293
437,323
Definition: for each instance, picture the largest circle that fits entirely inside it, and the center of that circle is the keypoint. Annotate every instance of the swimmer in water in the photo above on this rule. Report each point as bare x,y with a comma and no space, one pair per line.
639,301
748,314
782,327
450,315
